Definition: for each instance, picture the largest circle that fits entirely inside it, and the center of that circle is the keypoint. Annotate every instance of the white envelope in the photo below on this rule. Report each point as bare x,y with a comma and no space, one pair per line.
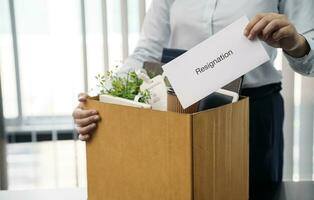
215,62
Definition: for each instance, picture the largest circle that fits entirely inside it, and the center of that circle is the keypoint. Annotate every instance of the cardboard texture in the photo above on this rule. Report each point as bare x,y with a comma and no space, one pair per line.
173,104
139,154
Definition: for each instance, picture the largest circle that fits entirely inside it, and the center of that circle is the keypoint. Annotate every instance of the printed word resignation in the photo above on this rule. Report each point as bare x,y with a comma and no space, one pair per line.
214,62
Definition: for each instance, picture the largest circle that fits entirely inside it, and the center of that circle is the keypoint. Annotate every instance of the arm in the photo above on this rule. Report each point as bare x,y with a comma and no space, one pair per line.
154,36
301,14
293,31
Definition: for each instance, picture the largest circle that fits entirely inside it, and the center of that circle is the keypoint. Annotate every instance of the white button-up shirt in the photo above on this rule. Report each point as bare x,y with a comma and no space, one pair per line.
182,24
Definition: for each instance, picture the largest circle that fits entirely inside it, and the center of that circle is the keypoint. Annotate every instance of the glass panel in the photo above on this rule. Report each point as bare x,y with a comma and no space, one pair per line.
148,2
133,23
94,40
296,146
278,60
50,53
59,164
114,33
8,81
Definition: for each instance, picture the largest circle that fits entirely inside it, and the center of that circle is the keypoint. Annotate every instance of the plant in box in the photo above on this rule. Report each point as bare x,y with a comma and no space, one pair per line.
123,90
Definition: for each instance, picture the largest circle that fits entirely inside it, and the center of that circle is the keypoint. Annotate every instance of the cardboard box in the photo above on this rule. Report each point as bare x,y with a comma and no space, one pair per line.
139,154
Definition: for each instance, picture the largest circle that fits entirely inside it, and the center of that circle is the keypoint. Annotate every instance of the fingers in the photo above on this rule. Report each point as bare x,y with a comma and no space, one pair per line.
85,126
258,28
272,27
84,137
79,113
82,97
264,25
282,33
86,129
86,121
251,24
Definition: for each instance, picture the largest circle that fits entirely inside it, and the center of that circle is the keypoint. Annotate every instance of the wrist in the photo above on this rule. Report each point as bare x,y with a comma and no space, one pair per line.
301,48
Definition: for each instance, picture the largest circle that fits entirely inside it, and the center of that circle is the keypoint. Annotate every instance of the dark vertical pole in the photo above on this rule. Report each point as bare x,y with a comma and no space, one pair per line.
16,60
3,160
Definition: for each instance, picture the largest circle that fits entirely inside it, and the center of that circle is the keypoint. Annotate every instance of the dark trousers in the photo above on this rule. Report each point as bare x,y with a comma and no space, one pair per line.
266,138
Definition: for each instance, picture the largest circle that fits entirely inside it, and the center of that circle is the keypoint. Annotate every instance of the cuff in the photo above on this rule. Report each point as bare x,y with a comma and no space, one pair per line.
130,64
305,60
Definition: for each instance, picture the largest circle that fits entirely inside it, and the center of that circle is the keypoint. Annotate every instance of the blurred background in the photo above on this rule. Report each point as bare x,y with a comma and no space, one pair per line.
50,50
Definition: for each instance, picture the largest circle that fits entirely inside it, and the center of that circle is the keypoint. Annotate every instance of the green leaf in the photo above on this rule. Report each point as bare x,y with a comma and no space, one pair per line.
126,87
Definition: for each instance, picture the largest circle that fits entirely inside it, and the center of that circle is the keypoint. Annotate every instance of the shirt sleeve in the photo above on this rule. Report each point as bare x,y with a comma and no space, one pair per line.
300,13
154,36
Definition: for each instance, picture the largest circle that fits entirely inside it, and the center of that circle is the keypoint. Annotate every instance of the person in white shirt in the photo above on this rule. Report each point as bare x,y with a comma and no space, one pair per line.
182,24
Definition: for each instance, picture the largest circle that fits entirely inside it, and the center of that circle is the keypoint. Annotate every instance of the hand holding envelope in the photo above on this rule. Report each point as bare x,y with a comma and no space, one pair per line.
215,62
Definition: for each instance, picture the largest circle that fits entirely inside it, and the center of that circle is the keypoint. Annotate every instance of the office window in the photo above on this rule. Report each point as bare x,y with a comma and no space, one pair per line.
49,52
114,32
97,60
134,23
